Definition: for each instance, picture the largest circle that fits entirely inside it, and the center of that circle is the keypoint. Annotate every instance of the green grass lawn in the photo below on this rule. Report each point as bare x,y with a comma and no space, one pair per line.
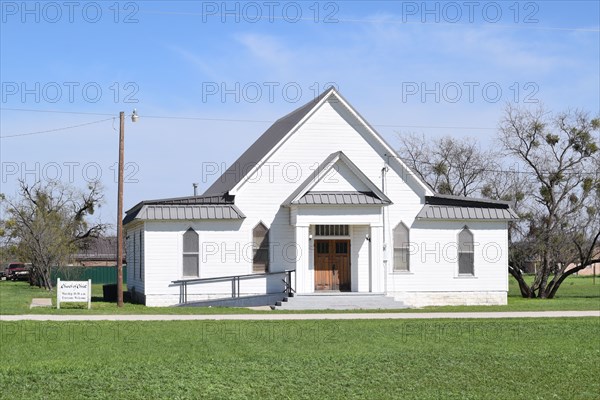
385,359
15,298
576,293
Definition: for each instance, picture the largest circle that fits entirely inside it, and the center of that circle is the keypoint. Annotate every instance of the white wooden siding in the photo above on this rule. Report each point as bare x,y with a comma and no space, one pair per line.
225,250
360,258
434,261
133,259
225,246
340,178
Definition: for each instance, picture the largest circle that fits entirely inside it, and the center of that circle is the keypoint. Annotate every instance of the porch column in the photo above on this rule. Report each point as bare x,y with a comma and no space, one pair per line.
377,272
304,282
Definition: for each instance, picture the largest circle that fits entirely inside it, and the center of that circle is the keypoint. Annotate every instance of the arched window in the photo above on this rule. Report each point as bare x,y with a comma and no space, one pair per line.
401,248
466,252
191,253
260,246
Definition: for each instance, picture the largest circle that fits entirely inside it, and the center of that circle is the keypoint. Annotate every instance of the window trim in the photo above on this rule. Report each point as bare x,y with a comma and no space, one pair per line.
325,231
253,270
458,252
184,253
406,247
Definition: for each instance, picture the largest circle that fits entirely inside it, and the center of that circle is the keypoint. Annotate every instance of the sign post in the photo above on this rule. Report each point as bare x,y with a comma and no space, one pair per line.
73,292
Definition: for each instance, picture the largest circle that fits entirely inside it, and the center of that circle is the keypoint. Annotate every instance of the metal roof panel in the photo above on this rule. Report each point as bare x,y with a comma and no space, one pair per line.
440,212
340,198
189,212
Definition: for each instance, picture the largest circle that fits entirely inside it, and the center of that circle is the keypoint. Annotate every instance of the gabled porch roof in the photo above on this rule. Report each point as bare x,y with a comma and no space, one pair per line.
304,195
340,198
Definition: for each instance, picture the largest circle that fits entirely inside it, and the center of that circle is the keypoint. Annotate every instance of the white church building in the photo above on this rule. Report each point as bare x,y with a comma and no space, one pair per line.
319,203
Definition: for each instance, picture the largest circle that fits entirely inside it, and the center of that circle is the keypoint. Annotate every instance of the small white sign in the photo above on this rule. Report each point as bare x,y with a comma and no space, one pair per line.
73,292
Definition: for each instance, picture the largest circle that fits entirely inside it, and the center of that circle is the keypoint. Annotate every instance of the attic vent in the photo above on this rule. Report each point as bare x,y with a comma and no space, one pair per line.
332,230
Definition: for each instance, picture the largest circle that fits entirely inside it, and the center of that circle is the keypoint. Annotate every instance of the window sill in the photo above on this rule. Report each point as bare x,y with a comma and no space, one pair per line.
465,277
402,273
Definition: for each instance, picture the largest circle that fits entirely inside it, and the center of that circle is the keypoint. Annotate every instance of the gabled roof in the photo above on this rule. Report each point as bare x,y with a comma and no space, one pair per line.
261,147
323,169
182,208
282,128
218,200
446,207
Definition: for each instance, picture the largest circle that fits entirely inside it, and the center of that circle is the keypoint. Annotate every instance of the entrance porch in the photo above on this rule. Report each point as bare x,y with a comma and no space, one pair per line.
339,258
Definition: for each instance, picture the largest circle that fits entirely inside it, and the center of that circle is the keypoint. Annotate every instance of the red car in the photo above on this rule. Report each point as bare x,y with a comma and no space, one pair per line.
16,272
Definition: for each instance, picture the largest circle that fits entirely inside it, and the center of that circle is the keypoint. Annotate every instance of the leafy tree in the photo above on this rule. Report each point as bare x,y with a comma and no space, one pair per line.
45,222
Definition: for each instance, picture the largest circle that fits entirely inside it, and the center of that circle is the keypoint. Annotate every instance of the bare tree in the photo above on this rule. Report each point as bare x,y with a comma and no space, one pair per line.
451,166
46,222
561,155
513,185
553,182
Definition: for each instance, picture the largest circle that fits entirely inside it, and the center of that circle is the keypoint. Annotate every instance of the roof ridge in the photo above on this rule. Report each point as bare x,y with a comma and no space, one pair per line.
310,102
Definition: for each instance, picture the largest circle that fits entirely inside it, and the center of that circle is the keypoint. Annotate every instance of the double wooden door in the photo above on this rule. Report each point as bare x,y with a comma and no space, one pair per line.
332,265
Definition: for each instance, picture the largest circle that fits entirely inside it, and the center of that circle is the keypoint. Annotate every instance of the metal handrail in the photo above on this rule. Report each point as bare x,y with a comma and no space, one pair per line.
224,278
289,287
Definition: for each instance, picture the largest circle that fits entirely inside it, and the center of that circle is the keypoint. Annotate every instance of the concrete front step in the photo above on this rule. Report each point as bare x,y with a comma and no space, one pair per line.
245,301
339,301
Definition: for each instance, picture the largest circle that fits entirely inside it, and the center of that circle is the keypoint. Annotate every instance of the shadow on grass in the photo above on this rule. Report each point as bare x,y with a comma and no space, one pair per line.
101,299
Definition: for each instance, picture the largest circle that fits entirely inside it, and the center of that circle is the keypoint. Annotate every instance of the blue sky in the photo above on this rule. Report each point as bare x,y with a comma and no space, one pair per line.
218,73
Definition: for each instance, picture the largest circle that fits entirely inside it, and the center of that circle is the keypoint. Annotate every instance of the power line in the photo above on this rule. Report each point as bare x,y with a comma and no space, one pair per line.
250,120
56,129
54,111
439,127
500,171
265,121
217,119
206,119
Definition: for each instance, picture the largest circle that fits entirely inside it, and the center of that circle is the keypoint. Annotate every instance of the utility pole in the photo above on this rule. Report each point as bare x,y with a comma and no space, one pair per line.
134,118
120,211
